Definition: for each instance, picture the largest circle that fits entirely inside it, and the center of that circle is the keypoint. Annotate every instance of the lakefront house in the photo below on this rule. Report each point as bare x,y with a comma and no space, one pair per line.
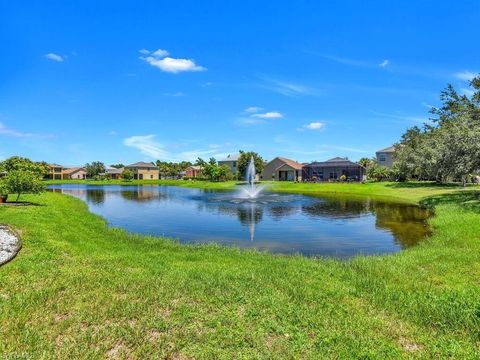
75,173
282,169
334,169
144,170
193,171
55,172
385,157
231,161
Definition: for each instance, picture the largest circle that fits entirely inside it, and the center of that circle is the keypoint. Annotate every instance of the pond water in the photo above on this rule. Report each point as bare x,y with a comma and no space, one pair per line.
280,223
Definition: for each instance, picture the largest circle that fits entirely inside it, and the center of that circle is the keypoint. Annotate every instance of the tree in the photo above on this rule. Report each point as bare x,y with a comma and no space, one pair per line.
449,148
127,175
23,176
94,168
379,173
117,166
24,164
244,159
365,162
212,171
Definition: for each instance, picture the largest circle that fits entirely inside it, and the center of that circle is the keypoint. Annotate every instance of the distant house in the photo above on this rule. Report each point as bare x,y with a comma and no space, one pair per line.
333,169
76,173
231,161
282,169
144,170
385,157
55,172
193,171
113,173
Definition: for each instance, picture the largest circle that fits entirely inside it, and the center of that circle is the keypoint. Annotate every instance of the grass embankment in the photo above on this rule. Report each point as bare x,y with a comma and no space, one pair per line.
79,289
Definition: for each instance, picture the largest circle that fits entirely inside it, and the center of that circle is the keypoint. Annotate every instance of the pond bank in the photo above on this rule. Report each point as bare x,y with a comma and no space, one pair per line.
80,289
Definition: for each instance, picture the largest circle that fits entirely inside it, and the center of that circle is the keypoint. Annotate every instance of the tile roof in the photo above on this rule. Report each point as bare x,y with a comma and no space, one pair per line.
291,163
337,161
142,164
233,157
389,149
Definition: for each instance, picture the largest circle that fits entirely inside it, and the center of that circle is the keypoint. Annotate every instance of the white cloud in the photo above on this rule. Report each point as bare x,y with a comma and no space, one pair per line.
112,133
467,92
465,75
252,109
153,149
4,130
399,116
250,121
316,125
287,88
147,146
144,51
160,53
160,59
268,115
53,57
384,63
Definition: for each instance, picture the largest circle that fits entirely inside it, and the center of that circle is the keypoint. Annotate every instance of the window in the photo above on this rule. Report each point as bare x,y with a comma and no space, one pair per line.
382,157
151,176
273,175
234,164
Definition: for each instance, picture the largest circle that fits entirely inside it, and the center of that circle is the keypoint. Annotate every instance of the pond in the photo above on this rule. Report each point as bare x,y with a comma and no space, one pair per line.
280,223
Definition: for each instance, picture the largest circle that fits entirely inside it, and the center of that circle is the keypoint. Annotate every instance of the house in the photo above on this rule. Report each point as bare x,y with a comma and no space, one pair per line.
76,173
144,170
333,169
231,161
55,172
385,157
113,173
282,169
193,171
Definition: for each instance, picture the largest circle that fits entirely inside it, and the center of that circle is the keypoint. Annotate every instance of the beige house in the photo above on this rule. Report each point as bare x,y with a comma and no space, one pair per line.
144,171
231,161
282,169
55,172
77,173
385,157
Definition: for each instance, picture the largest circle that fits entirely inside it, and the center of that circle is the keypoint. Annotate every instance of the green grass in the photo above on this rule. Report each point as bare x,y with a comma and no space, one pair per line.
80,289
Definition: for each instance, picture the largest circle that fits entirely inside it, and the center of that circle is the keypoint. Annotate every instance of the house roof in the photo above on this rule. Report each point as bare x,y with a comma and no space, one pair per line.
389,149
112,170
291,163
142,164
54,165
231,157
73,170
334,162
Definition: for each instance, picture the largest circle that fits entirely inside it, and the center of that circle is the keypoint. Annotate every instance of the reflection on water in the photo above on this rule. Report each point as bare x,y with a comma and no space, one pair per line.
338,227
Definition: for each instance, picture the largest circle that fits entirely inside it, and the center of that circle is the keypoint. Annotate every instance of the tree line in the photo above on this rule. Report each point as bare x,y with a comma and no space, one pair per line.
444,150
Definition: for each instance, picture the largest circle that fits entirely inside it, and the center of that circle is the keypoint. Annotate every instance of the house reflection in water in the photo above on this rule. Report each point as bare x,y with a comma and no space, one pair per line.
281,223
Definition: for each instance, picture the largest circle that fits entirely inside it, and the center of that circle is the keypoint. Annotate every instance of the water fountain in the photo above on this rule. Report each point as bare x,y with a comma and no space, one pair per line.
251,190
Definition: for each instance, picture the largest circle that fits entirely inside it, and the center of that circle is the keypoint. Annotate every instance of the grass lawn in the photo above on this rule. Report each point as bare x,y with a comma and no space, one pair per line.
79,289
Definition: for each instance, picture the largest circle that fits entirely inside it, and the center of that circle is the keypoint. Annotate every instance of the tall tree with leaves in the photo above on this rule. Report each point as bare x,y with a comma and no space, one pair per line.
94,168
449,148
244,159
23,176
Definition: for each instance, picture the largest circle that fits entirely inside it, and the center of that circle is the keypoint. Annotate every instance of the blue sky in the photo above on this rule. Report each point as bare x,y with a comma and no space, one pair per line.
123,81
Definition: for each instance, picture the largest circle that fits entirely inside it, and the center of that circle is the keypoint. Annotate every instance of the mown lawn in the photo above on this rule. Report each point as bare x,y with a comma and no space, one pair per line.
79,289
